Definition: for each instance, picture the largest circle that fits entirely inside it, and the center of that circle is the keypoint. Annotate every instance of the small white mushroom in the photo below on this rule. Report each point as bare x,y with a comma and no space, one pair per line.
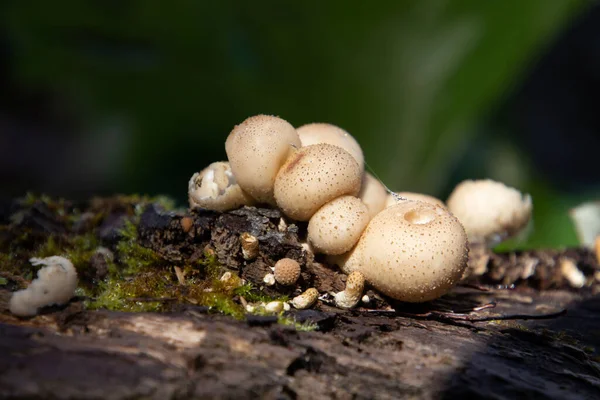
326,133
215,188
249,245
490,211
572,274
55,284
313,176
393,199
226,277
412,251
282,226
336,227
231,280
287,271
256,150
274,307
306,299
350,296
373,194
269,279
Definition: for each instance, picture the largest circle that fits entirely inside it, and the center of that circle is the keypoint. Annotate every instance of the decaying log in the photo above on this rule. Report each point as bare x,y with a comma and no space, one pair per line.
165,234
486,339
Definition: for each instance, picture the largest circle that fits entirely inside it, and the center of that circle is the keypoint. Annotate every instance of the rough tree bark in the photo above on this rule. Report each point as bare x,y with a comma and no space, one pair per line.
504,335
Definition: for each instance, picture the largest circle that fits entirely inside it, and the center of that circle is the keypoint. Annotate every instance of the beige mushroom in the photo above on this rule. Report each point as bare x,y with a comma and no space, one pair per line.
250,246
215,188
336,227
393,199
412,251
490,211
256,149
306,299
326,133
313,176
352,294
287,271
373,194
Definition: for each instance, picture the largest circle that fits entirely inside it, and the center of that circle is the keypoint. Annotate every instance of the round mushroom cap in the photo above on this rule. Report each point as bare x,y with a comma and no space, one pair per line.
490,211
313,176
336,227
373,194
391,199
256,149
215,188
327,133
287,271
412,251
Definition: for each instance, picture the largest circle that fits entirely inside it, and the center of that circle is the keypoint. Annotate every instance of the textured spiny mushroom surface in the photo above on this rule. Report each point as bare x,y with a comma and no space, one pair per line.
336,227
287,271
316,133
215,188
313,176
412,251
256,150
490,211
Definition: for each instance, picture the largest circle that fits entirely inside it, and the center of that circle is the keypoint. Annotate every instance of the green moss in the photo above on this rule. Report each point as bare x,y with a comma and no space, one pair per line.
3,281
253,295
8,264
60,207
300,326
223,303
138,202
132,255
139,279
211,267
145,292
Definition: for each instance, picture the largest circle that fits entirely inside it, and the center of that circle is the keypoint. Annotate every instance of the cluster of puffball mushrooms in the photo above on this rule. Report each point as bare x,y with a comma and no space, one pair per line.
408,246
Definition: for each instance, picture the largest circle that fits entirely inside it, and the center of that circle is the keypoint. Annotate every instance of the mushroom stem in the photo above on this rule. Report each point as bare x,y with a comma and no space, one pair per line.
306,299
350,296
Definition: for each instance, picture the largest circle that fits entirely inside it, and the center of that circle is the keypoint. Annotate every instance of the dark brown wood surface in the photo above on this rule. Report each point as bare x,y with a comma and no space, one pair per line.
479,341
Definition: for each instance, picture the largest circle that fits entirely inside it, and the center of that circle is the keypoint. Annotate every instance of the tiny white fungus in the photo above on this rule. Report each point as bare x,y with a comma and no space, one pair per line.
55,284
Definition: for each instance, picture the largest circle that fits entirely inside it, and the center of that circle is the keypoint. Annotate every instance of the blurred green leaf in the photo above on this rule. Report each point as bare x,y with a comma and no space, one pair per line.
408,78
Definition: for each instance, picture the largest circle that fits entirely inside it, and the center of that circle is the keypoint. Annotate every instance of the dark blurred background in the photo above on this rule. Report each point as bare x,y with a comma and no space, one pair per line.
133,96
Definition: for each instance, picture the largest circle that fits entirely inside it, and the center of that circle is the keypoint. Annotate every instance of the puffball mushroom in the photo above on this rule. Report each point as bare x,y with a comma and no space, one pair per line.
490,211
336,227
286,271
55,284
314,175
327,133
392,200
256,150
412,251
373,194
215,188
